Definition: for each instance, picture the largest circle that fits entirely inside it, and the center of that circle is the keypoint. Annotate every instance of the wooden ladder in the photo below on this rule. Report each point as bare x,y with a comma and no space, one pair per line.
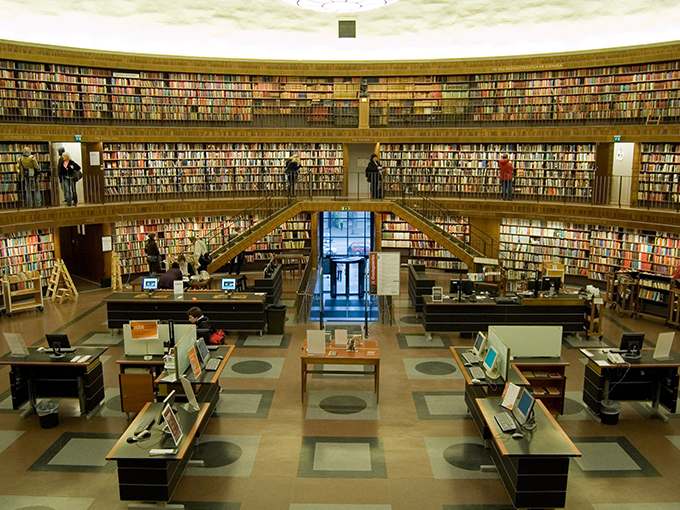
60,275
116,276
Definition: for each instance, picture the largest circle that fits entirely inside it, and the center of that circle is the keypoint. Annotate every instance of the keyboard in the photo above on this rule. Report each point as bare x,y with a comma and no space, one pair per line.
145,424
505,422
470,358
477,373
212,364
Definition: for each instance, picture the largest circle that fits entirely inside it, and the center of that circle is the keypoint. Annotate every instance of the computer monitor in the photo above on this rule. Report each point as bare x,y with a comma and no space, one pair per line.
192,406
150,283
467,287
228,284
169,400
57,341
489,363
631,345
202,350
480,342
525,407
551,282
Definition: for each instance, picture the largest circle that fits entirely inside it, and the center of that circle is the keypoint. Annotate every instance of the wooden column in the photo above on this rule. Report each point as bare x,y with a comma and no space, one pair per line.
604,162
635,178
377,231
314,254
364,111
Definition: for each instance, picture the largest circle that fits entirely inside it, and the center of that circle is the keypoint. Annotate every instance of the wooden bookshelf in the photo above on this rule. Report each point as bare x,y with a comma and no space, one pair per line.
547,381
28,250
417,248
654,294
659,178
136,170
555,170
10,152
527,244
172,237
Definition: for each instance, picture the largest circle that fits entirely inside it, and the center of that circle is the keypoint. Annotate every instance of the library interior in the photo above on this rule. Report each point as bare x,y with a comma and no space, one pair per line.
475,247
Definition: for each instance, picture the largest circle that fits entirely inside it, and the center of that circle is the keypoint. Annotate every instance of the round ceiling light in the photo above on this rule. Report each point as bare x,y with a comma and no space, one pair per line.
339,5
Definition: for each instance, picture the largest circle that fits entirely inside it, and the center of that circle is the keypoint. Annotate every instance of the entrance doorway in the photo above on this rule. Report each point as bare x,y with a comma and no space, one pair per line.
346,240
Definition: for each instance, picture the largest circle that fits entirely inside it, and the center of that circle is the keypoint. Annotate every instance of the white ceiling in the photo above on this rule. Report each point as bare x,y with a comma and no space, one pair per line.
406,30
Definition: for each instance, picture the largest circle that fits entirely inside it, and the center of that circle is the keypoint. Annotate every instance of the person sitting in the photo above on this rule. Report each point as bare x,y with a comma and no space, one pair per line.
166,281
186,268
203,327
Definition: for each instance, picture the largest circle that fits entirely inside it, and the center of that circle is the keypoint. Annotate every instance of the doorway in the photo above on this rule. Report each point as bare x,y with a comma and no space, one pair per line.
346,240
622,173
81,251
75,151
358,156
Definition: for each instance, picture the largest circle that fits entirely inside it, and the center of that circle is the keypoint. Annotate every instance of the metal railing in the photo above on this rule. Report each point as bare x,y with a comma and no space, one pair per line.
603,191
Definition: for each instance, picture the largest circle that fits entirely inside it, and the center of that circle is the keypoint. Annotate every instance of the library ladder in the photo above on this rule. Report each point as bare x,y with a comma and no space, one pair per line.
68,290
116,277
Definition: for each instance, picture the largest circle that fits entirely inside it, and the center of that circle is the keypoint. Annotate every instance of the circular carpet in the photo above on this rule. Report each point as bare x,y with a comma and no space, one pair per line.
435,368
251,367
343,404
218,453
469,456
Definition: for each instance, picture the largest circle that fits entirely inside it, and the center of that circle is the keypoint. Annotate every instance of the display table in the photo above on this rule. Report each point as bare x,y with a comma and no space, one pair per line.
40,376
643,380
450,315
534,469
142,477
367,354
227,313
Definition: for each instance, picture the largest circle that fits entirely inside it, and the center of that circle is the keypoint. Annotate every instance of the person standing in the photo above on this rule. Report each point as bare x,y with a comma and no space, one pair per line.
68,175
28,169
200,250
292,168
153,254
374,176
505,170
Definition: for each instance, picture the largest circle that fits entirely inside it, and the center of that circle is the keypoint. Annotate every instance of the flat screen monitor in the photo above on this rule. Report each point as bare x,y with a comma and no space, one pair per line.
631,344
524,407
202,350
150,283
551,282
228,283
453,287
57,341
169,400
490,363
480,342
467,287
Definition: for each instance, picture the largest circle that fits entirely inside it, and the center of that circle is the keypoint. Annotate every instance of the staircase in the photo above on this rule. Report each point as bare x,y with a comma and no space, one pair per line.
242,241
449,241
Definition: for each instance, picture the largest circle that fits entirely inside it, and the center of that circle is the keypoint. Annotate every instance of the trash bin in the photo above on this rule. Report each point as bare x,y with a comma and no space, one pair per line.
48,413
276,319
609,412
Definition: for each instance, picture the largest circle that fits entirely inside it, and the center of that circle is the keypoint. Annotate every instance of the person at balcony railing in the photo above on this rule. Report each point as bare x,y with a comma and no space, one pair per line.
293,166
69,174
374,176
28,169
505,171
153,254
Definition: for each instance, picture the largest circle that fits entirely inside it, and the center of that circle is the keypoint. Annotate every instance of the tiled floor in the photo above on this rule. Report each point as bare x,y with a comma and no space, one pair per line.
265,449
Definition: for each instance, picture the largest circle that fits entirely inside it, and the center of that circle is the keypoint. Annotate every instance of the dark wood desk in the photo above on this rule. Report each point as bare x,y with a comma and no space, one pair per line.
367,354
145,478
642,380
225,313
206,386
450,315
40,376
534,469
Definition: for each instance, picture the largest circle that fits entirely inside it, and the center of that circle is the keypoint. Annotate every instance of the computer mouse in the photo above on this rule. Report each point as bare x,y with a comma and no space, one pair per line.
517,435
476,381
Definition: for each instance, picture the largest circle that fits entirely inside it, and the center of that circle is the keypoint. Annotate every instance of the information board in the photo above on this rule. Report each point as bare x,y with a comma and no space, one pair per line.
384,271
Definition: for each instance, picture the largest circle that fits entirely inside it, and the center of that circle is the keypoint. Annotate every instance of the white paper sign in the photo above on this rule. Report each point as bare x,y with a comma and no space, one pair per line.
663,345
94,159
178,287
316,341
16,344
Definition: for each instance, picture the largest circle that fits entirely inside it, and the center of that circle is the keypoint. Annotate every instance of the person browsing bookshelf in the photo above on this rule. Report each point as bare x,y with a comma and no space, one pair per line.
374,176
28,169
505,171
153,254
69,174
199,250
293,167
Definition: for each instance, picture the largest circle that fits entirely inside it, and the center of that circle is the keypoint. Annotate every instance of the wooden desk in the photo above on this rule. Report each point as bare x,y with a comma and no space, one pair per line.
284,258
450,315
225,313
534,469
145,478
38,375
206,386
367,354
644,379
136,389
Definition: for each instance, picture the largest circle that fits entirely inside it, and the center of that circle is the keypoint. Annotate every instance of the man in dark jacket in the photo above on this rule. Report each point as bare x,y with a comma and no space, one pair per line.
166,281
505,171
373,175
292,168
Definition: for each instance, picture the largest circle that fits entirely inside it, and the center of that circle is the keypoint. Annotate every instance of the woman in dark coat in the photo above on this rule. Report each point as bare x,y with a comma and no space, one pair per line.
373,175
292,168
153,254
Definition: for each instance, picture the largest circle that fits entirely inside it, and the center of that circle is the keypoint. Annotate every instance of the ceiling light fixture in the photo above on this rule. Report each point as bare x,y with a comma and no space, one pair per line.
340,6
